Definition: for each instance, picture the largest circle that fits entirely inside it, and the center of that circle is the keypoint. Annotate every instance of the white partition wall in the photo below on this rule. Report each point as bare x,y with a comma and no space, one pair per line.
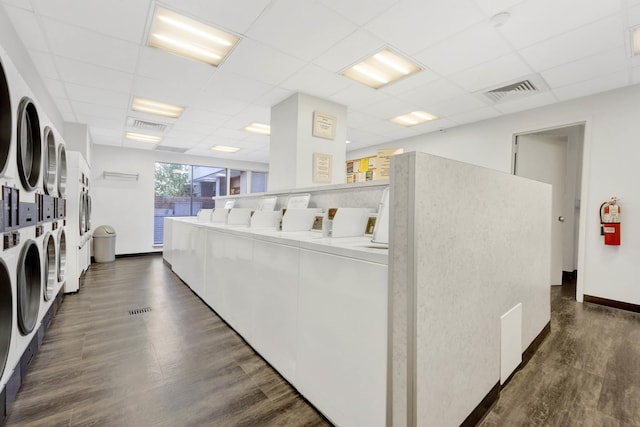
467,245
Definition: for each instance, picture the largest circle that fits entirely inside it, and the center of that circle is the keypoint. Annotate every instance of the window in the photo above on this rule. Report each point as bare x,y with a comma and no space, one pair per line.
182,190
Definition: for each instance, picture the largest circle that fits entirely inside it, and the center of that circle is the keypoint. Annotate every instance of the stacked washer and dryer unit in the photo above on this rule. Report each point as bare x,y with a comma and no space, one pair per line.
78,221
33,258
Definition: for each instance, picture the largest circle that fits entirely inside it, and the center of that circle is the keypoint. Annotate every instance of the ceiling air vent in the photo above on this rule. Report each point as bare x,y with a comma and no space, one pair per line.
514,90
171,149
146,125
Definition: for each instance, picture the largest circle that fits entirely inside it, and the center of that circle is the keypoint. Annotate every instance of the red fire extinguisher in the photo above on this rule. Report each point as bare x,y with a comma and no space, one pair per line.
610,222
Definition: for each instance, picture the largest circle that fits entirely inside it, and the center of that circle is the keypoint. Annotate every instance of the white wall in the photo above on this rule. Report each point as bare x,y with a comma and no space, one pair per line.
610,165
128,205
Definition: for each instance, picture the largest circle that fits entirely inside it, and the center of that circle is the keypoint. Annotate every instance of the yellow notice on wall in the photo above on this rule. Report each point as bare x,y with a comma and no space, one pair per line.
364,165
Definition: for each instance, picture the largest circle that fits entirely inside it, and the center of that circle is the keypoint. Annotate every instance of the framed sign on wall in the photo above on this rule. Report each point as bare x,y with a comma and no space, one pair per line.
322,167
324,125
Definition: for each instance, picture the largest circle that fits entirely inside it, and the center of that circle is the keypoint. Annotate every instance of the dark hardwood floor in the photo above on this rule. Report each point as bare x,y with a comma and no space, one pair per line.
586,372
176,365
180,365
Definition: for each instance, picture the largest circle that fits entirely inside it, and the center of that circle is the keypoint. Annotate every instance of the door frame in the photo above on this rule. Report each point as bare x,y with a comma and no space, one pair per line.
584,190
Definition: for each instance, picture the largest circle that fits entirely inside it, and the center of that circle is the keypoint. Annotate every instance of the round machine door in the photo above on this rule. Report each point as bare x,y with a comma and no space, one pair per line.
62,255
81,214
50,276
5,121
29,144
62,171
29,287
6,315
50,166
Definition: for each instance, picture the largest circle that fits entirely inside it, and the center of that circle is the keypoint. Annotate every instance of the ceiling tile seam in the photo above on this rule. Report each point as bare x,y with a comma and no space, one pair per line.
577,82
628,43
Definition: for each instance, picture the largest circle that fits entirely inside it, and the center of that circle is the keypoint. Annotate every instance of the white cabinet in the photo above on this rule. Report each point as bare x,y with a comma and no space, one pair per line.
229,279
275,291
342,337
189,254
167,244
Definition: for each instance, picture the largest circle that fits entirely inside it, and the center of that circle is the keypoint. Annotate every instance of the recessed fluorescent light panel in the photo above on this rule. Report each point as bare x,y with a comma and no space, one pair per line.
414,118
143,137
154,107
189,38
225,149
381,69
259,128
635,40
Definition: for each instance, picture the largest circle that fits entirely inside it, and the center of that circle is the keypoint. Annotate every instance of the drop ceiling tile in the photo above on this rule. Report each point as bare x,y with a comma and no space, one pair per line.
357,95
459,104
55,88
401,132
221,13
138,145
596,85
90,47
527,103
413,25
474,46
93,76
229,85
432,93
587,68
492,73
192,136
229,134
349,51
93,95
109,141
257,61
359,12
178,91
257,140
313,31
35,38
18,3
69,117
585,41
96,121
357,136
206,121
45,64
410,83
491,7
316,81
63,104
171,141
123,19
275,96
476,115
388,108
214,104
633,16
101,111
95,131
160,65
635,75
535,20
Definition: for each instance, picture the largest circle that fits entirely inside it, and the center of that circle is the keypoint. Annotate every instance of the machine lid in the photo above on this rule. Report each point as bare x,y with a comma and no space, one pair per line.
104,231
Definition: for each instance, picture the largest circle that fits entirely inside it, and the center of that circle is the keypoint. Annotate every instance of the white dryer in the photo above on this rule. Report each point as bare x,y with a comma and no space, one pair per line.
29,277
78,254
61,252
7,310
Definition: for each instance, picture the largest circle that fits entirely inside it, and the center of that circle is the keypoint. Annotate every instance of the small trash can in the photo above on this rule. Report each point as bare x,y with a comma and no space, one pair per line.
104,244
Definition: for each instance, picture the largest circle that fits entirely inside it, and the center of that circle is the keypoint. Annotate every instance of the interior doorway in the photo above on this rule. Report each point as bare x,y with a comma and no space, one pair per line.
555,156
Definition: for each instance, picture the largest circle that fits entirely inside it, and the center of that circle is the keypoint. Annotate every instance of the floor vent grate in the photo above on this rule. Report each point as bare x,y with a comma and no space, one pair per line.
139,311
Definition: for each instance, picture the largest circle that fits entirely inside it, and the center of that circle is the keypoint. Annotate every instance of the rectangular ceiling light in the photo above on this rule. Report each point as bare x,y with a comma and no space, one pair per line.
381,69
154,107
635,40
225,149
414,118
142,137
189,38
258,128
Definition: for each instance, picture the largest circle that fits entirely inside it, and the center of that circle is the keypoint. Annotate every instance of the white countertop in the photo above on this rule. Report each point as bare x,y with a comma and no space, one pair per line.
352,247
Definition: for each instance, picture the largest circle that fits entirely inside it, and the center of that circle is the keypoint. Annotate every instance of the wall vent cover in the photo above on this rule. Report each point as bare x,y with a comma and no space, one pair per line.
514,90
171,149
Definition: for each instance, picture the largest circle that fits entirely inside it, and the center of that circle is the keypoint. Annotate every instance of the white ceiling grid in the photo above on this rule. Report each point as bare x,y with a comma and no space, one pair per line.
93,59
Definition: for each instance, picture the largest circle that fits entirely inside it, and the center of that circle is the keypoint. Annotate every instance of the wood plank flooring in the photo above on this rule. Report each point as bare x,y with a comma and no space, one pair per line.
177,365
586,373
180,365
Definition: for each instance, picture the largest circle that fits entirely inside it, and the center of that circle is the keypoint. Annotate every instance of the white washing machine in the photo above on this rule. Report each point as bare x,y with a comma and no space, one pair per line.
61,252
78,247
29,275
8,356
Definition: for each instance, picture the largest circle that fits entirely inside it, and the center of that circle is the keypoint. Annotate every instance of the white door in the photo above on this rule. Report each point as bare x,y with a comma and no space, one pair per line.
544,158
